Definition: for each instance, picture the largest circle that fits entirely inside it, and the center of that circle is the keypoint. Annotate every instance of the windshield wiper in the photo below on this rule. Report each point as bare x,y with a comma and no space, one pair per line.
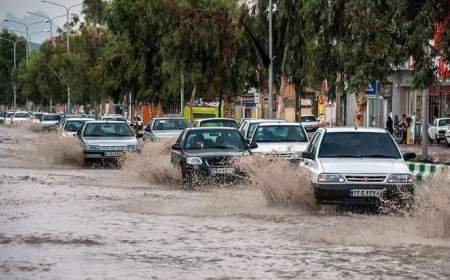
378,156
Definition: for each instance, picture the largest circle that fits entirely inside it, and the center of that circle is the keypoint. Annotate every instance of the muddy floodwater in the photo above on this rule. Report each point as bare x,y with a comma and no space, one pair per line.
60,220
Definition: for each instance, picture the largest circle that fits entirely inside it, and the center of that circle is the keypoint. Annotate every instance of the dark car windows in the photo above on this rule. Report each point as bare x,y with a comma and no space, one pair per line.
170,124
107,130
214,139
21,115
51,117
218,123
278,133
73,126
444,122
358,144
308,119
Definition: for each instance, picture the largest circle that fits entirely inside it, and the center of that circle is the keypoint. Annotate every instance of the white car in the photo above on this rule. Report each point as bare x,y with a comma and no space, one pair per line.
215,122
113,117
165,128
447,137
248,126
20,117
70,126
37,118
285,140
309,122
8,117
437,131
357,166
49,121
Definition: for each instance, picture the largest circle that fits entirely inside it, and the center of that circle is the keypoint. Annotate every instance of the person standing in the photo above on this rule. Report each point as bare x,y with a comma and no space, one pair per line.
403,127
390,125
435,110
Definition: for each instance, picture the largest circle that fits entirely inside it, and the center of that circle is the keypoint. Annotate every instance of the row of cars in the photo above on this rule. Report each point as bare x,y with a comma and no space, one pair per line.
346,165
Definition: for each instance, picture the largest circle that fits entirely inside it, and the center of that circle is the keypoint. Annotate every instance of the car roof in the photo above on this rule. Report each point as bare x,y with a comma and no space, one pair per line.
211,127
279,124
210,119
265,120
169,118
79,119
26,112
104,121
353,129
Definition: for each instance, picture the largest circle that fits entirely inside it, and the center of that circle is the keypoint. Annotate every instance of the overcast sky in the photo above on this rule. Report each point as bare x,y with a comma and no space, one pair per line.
19,8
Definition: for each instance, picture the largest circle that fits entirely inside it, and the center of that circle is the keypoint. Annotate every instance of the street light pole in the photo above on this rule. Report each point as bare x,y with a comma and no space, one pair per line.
27,26
15,67
48,19
68,38
271,62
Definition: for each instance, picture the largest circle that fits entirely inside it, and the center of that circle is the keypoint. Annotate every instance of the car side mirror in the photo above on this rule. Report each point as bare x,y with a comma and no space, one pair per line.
253,145
308,155
409,156
176,147
247,141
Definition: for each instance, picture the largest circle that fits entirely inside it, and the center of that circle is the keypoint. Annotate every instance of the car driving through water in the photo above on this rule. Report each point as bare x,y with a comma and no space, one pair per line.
248,126
208,153
70,126
358,166
165,128
283,140
107,140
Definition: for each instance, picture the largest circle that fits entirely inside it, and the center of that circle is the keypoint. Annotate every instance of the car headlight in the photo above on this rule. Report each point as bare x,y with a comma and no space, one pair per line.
194,161
400,178
92,147
330,178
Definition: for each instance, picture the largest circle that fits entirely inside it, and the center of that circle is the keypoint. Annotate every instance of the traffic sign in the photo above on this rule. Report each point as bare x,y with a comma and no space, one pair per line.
371,90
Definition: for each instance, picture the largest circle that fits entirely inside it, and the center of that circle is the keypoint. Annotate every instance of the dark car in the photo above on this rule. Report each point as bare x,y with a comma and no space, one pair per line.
204,152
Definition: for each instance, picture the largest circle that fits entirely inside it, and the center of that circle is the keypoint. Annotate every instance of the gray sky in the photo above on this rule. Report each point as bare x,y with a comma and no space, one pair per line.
18,9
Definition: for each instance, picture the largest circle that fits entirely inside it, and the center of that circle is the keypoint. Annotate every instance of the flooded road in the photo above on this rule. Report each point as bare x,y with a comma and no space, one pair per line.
59,220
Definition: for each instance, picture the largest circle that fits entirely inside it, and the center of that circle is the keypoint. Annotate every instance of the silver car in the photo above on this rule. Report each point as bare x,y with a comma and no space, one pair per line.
357,166
165,128
107,139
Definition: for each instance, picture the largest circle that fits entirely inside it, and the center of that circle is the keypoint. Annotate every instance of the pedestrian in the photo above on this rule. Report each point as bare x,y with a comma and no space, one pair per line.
390,125
435,110
403,125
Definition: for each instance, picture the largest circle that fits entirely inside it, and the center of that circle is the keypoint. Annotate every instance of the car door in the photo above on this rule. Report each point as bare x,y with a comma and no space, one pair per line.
148,131
176,156
313,148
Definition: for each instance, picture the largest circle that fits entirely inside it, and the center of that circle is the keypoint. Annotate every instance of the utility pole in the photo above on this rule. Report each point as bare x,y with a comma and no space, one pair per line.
67,38
182,96
271,62
424,123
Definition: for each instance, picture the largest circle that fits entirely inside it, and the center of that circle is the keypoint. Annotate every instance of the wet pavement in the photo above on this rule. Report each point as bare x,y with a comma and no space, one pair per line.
59,220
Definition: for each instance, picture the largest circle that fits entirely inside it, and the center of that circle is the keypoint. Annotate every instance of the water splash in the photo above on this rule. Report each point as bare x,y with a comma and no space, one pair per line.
152,165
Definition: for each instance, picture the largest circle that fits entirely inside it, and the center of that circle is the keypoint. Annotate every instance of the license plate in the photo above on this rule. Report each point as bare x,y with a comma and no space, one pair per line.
113,154
222,171
366,192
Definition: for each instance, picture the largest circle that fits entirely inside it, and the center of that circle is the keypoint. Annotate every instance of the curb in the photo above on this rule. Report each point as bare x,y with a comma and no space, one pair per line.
423,171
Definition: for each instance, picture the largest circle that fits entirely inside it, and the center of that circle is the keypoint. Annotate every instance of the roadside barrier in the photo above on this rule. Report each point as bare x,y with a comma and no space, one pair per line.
424,171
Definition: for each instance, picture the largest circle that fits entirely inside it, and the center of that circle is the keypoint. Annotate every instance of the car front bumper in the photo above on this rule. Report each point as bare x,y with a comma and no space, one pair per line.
341,193
215,173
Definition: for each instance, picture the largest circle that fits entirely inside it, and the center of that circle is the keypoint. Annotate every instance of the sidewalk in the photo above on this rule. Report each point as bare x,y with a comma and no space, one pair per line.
439,153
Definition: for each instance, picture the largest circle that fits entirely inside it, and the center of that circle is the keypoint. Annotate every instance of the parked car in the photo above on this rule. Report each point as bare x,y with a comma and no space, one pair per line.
107,140
215,122
37,118
8,117
437,131
248,127
309,122
50,121
165,128
358,166
20,117
283,140
207,153
113,117
71,125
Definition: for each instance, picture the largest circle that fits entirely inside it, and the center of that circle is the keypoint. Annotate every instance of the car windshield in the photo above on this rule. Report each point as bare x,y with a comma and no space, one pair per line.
107,130
51,117
279,133
170,124
358,145
308,119
444,122
218,123
214,139
73,126
113,118
9,115
21,115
